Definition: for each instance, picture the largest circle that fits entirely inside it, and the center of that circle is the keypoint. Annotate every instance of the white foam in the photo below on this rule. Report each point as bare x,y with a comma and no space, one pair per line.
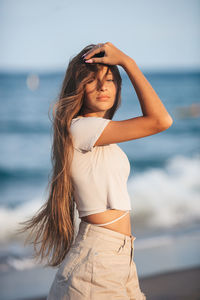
160,198
10,218
22,264
169,196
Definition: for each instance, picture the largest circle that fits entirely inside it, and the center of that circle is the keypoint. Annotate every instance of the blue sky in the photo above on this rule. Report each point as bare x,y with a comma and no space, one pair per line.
44,34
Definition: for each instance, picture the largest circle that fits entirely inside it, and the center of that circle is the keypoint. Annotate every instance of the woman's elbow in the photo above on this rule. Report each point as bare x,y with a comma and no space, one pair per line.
165,124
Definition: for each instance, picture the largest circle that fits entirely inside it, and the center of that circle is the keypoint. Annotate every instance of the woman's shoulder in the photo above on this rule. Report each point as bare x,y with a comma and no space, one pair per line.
90,120
86,130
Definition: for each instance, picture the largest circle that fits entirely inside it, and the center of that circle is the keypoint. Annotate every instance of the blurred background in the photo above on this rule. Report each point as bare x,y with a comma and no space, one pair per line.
37,39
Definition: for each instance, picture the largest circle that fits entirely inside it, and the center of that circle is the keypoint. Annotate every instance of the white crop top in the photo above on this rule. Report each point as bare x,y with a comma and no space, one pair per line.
99,174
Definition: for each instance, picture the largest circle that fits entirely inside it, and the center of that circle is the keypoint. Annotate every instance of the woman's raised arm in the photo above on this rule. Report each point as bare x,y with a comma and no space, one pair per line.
155,116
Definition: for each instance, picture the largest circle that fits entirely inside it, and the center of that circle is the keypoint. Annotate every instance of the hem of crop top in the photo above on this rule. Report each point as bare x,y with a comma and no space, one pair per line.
113,221
81,213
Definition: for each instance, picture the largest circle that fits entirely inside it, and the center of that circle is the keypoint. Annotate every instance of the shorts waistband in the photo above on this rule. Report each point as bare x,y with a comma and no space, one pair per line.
88,229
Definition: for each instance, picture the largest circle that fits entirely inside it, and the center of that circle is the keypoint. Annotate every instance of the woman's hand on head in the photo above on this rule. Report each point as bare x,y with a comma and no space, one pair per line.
112,55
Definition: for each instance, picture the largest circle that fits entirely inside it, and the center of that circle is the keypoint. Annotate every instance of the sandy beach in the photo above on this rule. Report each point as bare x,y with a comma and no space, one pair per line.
182,284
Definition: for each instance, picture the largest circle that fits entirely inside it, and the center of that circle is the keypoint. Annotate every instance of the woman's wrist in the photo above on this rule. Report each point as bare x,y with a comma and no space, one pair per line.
126,62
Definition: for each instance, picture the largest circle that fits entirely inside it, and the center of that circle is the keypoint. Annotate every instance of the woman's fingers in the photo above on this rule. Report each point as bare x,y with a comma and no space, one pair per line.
108,54
95,60
96,49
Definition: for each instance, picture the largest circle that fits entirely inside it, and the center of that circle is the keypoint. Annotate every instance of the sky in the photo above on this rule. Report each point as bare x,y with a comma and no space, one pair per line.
45,34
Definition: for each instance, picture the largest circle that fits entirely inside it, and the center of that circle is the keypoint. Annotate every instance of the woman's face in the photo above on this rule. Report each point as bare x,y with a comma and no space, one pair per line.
99,95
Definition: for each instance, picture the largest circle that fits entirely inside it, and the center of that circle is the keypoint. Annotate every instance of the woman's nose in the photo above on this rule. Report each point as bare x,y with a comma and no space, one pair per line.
101,85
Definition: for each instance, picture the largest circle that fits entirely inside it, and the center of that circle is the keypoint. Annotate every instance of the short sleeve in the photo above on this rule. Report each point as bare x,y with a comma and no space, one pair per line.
86,131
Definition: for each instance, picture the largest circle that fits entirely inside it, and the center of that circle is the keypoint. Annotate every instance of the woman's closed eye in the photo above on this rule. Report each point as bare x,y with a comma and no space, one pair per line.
108,79
91,80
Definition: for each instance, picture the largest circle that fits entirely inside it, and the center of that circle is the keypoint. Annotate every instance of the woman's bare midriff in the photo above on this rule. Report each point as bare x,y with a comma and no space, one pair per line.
122,225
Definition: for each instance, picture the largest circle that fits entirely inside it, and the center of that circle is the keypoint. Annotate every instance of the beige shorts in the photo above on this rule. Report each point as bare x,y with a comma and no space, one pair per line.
99,266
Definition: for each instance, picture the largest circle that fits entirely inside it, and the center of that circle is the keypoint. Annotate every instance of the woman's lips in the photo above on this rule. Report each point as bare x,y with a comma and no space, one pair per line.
102,98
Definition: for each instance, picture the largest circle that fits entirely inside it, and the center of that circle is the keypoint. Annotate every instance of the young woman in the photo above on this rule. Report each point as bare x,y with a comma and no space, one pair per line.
90,171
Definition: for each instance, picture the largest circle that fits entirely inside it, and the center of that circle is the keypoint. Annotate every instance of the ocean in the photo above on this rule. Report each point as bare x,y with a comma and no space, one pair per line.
163,184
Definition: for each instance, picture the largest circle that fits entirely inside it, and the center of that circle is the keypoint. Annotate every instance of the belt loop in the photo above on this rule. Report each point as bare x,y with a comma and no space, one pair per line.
132,240
86,230
132,247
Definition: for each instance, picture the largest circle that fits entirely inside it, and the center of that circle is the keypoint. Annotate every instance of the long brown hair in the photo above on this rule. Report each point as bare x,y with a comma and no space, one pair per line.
53,224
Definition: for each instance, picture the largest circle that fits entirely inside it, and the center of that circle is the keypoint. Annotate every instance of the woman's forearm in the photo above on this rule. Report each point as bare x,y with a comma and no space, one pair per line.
150,103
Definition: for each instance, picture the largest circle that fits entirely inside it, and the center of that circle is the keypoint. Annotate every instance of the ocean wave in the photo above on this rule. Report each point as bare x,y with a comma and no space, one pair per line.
21,173
20,264
169,196
160,198
10,218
